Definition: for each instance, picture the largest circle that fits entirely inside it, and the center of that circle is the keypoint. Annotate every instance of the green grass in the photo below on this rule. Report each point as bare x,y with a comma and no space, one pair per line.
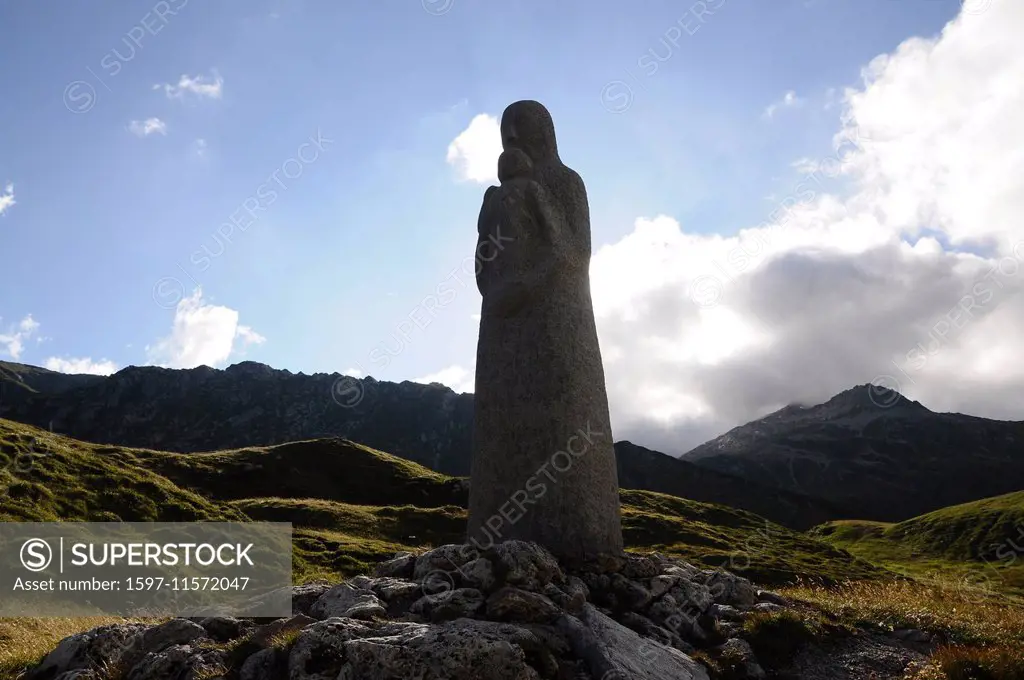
979,545
984,633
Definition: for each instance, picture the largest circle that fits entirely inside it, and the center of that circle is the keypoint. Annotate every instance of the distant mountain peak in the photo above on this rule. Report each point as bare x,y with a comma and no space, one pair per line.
873,397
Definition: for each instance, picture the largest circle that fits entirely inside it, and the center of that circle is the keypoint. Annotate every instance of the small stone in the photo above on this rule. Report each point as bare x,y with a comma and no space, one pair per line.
445,559
349,601
100,647
319,651
527,565
401,566
179,662
225,628
740,656
730,589
727,613
266,664
304,596
521,606
479,574
774,598
638,566
767,607
453,604
629,594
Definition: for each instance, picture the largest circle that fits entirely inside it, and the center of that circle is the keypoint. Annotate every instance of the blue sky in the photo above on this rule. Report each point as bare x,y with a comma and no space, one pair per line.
127,157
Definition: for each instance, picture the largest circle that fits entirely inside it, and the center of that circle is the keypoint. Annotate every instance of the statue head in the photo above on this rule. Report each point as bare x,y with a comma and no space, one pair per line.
527,125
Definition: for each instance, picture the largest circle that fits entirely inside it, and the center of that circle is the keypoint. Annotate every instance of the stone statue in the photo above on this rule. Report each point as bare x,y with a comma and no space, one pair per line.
543,465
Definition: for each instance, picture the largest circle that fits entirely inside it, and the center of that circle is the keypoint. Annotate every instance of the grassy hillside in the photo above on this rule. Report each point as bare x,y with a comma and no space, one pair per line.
980,543
353,506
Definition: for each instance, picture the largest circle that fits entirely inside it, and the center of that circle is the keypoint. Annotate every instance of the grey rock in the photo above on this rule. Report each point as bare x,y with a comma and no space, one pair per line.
225,628
647,628
571,596
304,596
179,662
349,601
741,658
399,566
630,594
661,584
639,566
460,650
614,652
266,664
169,633
521,606
727,588
479,573
100,647
319,650
682,570
387,588
767,607
449,605
80,674
727,613
527,565
543,466
774,598
694,597
667,613
444,559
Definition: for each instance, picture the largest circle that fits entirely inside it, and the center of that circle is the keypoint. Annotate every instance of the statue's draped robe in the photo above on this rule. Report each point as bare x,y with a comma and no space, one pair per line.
540,386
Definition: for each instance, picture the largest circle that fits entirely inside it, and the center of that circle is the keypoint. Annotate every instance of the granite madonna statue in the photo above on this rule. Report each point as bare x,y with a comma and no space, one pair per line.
543,466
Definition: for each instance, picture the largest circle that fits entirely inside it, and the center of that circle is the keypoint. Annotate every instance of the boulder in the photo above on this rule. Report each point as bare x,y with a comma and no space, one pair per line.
614,652
304,596
401,566
521,606
98,648
180,662
739,657
459,650
444,559
452,604
527,565
730,589
349,601
266,664
319,650
225,628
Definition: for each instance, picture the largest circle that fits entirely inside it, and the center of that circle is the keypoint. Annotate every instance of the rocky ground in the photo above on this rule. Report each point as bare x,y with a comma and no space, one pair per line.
509,613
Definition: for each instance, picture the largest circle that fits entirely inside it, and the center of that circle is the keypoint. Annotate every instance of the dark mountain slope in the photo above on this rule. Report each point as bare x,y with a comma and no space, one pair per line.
874,454
641,468
249,405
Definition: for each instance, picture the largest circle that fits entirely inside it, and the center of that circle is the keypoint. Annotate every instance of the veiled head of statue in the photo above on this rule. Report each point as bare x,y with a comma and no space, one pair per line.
527,125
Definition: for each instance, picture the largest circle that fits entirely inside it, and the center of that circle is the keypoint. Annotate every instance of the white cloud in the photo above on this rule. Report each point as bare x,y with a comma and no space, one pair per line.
6,198
456,377
82,365
198,85
200,148
788,101
13,341
202,334
144,128
474,153
915,277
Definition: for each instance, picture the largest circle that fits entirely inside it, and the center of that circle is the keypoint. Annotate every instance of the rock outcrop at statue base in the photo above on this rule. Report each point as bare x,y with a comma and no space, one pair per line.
452,613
